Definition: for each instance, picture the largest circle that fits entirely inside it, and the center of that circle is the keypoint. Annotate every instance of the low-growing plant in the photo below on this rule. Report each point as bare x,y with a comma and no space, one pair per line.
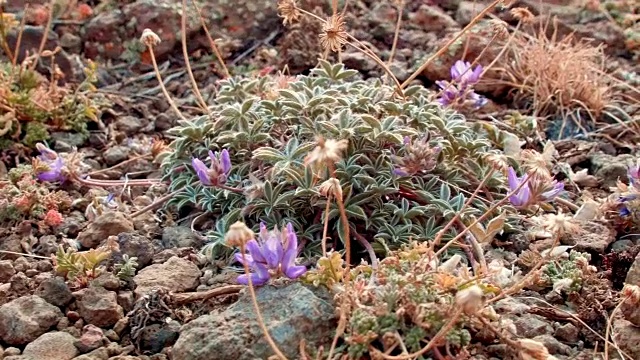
32,105
80,267
271,131
23,198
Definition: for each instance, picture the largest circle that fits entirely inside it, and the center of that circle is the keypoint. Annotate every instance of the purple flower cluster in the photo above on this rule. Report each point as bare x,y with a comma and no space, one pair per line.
523,197
273,254
51,167
217,173
462,90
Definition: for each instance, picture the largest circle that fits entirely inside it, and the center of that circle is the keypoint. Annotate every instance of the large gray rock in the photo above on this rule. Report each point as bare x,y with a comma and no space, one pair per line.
24,319
291,313
57,345
177,275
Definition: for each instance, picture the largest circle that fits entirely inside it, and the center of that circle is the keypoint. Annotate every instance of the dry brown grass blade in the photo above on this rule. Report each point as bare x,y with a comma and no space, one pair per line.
185,298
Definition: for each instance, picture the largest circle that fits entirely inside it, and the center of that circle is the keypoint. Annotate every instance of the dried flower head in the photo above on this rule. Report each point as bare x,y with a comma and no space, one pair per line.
522,14
419,157
532,350
333,35
559,223
327,151
288,11
499,28
238,234
331,187
470,299
149,38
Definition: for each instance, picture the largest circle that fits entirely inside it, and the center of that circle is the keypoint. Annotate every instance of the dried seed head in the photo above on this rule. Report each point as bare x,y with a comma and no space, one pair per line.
238,235
333,34
327,151
523,15
149,38
288,11
499,28
331,187
470,299
532,350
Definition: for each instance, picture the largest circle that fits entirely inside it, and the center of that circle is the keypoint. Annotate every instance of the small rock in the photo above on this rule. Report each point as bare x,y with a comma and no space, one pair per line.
12,351
530,325
179,237
44,265
112,335
177,275
156,337
98,306
21,264
73,316
592,236
633,275
20,283
55,345
31,272
47,245
97,354
55,291
291,313
116,154
126,300
134,245
6,270
90,340
121,325
466,11
131,124
24,319
511,306
105,225
609,169
568,333
553,345
429,18
107,280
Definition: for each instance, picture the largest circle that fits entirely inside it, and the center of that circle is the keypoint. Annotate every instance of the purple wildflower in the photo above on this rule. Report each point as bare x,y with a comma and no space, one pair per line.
461,92
217,173
51,167
555,191
522,196
633,172
273,254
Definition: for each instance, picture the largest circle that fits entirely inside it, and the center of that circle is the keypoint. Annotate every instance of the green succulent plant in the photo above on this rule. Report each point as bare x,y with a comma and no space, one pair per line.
408,168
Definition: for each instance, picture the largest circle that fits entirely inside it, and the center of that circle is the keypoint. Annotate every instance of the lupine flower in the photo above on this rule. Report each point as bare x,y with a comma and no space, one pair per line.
49,165
273,254
525,195
522,196
461,92
556,189
217,173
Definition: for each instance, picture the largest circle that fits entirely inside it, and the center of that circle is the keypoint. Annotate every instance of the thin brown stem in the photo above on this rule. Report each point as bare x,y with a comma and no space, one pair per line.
187,63
93,173
212,43
43,41
396,34
325,229
444,49
161,83
256,307
155,204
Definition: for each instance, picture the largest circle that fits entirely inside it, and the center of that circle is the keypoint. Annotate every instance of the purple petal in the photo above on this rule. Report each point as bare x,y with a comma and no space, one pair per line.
513,179
458,68
294,272
239,259
201,170
272,250
557,189
225,160
260,277
49,176
442,84
255,250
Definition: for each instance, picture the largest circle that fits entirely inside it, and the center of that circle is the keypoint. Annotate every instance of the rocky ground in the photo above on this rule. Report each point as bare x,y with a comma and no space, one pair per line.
179,303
